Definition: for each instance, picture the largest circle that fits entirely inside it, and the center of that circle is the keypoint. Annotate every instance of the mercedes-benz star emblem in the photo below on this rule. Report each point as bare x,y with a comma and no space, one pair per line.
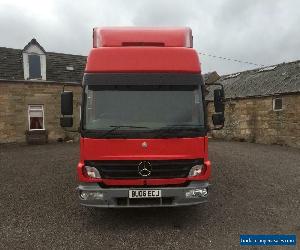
144,144
144,168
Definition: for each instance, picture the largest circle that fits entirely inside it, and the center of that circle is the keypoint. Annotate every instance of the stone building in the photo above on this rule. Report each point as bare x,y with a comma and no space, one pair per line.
262,105
31,81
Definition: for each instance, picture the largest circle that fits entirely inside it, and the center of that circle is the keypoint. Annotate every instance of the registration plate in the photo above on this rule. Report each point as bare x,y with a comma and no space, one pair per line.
144,193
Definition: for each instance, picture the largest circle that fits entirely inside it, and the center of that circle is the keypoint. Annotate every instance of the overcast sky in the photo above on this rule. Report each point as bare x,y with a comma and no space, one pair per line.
260,31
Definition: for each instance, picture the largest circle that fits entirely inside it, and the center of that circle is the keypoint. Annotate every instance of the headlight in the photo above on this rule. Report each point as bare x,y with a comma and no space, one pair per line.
196,170
92,172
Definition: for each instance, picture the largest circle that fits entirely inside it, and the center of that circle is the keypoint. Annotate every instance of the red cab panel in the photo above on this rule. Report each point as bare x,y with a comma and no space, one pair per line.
142,59
139,149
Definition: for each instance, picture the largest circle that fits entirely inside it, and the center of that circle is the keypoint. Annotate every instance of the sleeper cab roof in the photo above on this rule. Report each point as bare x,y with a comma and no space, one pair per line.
143,59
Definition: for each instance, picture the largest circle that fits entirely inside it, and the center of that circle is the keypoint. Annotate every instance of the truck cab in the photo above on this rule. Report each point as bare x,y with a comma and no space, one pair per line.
143,120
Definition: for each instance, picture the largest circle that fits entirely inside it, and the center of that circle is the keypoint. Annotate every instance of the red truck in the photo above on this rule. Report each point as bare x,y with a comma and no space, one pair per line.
143,120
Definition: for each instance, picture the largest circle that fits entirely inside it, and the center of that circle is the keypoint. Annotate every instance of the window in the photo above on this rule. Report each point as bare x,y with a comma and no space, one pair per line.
34,66
277,104
34,61
36,117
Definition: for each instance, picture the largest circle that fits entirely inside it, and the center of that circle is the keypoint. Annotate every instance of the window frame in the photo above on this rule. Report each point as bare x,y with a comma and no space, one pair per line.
274,101
28,114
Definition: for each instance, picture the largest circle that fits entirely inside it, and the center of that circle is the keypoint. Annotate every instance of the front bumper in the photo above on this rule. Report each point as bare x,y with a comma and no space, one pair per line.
118,197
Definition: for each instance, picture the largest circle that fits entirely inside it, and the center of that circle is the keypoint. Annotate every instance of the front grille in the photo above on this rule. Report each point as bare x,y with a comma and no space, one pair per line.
129,169
184,184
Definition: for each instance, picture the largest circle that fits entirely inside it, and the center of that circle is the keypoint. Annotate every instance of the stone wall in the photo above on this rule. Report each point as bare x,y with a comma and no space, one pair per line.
254,120
14,100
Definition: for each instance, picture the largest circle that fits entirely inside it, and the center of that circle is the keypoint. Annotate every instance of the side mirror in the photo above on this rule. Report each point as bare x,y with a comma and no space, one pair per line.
67,103
218,119
66,121
219,100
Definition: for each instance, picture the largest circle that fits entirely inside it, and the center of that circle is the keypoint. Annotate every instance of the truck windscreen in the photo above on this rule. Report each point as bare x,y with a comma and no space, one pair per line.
143,108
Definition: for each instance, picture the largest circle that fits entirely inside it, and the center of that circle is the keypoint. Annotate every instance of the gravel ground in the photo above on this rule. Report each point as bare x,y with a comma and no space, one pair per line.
255,190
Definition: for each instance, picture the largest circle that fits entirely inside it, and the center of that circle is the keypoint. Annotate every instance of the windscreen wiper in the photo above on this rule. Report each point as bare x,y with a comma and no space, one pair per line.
182,125
176,127
114,128
179,126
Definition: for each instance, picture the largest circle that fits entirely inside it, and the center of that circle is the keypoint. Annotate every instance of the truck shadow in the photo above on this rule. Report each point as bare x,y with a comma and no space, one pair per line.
175,218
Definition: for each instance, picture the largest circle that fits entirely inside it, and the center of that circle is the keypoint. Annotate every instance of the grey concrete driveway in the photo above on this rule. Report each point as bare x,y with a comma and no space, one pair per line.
255,190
